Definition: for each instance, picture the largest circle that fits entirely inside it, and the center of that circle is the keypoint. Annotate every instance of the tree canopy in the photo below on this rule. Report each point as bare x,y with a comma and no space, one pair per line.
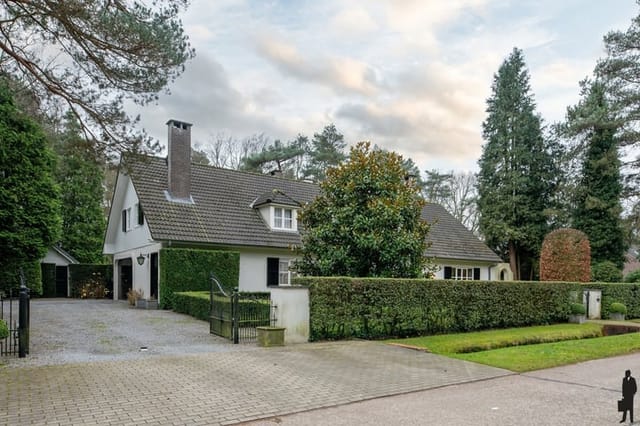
366,221
516,178
80,176
90,56
327,150
29,205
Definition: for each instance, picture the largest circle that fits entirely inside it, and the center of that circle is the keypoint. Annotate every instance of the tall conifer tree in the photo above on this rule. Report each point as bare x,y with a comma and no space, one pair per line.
80,174
597,205
515,182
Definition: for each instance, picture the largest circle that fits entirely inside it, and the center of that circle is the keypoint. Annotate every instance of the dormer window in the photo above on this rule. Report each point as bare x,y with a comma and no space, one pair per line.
282,218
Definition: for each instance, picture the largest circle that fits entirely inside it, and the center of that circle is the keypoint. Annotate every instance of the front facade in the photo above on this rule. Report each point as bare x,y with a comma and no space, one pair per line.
170,202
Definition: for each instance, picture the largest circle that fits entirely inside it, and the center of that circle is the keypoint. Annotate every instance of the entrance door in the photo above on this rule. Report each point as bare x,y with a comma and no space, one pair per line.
154,276
62,275
125,274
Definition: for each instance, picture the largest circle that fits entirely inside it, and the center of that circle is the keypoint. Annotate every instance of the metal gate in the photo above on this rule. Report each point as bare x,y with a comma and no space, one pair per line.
237,315
14,311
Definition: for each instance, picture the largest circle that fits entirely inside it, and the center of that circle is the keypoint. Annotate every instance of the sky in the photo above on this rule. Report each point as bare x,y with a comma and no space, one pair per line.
411,76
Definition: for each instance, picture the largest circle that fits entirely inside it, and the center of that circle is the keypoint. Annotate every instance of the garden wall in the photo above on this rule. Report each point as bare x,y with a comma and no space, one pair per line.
342,308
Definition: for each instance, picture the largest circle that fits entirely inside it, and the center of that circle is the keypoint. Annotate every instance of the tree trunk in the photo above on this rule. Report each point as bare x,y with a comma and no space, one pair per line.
513,261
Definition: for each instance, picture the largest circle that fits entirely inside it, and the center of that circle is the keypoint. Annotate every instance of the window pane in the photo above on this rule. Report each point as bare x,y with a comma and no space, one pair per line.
284,272
277,218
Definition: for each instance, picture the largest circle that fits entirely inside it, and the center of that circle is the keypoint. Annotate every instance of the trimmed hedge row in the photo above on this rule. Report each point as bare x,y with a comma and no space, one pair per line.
376,308
188,270
194,303
626,293
197,303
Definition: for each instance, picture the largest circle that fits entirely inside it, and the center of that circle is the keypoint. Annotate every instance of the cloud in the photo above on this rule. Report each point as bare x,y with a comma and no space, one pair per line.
354,21
338,73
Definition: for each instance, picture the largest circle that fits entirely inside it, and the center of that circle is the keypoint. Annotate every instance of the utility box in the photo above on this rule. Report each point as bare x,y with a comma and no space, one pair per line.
592,301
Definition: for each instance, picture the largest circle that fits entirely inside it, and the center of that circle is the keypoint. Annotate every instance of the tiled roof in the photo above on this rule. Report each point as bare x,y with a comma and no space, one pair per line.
222,211
451,240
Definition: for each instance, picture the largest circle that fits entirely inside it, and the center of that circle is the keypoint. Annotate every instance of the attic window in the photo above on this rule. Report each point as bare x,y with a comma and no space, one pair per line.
282,218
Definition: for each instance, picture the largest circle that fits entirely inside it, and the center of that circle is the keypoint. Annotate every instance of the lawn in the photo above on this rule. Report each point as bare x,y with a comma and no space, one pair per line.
494,339
522,349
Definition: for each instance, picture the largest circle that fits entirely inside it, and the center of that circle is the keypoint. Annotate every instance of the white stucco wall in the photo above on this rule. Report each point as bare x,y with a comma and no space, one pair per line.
292,312
141,274
488,272
253,267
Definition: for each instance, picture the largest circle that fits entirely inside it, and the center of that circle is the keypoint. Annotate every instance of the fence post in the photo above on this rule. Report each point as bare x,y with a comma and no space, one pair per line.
235,316
23,318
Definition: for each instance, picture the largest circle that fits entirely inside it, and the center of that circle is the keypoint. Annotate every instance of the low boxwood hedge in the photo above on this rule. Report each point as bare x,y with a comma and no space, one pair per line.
197,304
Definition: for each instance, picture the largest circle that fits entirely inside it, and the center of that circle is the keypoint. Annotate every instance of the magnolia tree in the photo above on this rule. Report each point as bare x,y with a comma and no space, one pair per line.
366,221
565,256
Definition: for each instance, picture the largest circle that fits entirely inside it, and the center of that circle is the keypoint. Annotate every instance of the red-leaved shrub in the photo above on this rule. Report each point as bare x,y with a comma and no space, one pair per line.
565,256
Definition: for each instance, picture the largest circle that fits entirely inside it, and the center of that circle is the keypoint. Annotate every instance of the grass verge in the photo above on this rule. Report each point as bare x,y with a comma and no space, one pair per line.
530,348
495,339
547,355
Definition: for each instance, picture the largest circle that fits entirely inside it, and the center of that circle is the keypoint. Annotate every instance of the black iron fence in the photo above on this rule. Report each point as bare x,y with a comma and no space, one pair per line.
14,311
237,315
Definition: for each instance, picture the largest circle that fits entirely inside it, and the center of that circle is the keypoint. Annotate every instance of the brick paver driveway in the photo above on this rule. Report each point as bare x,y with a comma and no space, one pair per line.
231,385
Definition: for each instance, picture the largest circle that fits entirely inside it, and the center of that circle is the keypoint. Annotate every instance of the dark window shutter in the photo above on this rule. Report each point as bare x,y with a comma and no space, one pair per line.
124,221
140,215
447,272
476,273
273,270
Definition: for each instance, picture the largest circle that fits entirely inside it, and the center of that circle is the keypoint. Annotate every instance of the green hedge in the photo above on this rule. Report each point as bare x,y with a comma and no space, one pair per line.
81,274
197,304
194,303
183,270
627,293
10,278
375,308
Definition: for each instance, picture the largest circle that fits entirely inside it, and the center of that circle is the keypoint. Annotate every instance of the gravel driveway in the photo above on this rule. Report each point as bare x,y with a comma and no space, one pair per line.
73,330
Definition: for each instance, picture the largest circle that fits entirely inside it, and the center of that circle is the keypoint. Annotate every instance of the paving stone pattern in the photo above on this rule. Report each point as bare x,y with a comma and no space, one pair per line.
223,387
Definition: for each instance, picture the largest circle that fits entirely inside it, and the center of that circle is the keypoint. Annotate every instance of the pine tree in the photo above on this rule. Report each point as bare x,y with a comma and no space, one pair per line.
327,150
598,209
516,176
80,174
29,204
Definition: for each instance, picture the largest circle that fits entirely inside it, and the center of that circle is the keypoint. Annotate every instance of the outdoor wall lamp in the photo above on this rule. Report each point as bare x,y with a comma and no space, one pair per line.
140,259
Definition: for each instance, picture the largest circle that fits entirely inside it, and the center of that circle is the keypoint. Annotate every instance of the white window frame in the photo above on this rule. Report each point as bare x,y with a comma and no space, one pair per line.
127,219
461,274
284,218
285,274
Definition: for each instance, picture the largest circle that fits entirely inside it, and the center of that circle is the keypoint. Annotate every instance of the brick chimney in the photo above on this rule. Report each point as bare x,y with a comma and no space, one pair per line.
179,161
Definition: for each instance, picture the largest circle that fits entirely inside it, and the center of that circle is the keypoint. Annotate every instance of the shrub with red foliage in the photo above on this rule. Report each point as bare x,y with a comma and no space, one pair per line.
565,256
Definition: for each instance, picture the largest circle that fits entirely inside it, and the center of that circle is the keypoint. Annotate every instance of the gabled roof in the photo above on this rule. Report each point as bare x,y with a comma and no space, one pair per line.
224,211
451,240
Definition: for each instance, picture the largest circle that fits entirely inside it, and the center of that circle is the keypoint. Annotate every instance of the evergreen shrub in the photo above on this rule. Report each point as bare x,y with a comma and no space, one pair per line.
606,272
187,270
617,308
342,308
633,277
10,278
